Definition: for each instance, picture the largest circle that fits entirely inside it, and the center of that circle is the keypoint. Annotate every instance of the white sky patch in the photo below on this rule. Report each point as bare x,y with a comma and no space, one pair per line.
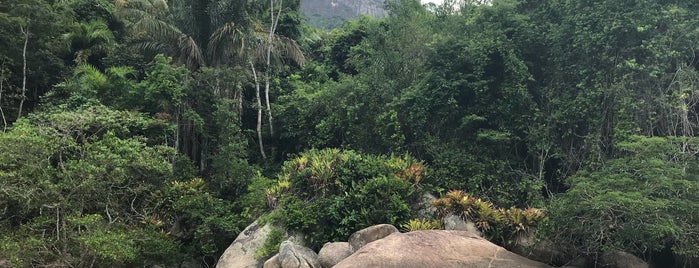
436,2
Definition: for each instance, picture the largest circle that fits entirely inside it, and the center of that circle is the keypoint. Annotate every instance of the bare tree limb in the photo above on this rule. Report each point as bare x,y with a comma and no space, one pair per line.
259,111
25,32
2,80
270,40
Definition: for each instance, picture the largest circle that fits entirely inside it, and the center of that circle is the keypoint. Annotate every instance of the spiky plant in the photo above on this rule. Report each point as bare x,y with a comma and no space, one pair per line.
498,224
420,224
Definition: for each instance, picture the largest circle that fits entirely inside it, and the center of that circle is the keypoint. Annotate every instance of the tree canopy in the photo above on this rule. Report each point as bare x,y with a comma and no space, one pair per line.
151,132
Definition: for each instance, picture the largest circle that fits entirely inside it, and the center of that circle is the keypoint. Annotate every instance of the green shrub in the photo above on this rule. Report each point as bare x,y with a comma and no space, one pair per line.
329,194
643,202
271,245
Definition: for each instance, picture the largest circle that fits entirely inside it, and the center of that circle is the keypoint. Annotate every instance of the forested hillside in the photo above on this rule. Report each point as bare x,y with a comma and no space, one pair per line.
151,132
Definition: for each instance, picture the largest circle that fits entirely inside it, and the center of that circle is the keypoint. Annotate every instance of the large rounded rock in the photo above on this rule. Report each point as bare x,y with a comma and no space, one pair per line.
453,222
540,250
333,253
435,248
620,259
273,262
241,253
370,234
296,256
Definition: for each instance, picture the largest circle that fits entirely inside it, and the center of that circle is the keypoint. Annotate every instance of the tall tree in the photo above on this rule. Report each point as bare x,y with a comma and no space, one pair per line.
31,51
229,43
88,39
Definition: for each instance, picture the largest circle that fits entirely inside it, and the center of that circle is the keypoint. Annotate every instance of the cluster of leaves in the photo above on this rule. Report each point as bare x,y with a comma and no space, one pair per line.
421,224
328,194
271,244
67,185
81,190
643,202
105,184
501,99
462,105
502,226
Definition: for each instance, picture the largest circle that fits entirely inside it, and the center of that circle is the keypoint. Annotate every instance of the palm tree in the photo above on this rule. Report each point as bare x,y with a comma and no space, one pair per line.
151,28
257,46
231,43
89,38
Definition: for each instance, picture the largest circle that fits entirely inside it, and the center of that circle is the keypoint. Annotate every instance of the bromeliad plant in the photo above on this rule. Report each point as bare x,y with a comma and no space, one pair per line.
502,226
421,224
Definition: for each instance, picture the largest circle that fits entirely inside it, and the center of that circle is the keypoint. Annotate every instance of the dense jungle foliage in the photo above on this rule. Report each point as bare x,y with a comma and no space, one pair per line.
151,132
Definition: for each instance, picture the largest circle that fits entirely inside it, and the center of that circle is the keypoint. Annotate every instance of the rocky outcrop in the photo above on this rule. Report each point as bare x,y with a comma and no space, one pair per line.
453,222
341,9
241,253
425,208
370,234
435,248
333,253
378,246
273,262
545,251
296,256
620,259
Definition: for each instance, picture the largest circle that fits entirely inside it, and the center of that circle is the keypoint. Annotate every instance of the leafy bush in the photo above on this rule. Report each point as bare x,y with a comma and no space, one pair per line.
80,190
194,215
643,202
328,194
271,245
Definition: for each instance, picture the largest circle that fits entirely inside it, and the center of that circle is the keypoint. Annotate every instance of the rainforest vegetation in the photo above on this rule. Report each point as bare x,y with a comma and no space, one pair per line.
151,132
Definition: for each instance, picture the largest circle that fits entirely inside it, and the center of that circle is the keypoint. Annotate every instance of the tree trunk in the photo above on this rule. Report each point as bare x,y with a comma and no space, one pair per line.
2,81
259,111
239,96
25,32
270,39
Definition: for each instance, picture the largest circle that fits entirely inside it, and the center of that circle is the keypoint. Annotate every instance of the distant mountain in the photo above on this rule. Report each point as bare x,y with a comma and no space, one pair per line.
329,14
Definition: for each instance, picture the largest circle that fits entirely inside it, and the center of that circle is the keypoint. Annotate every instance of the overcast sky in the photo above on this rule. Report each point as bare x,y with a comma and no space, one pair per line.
438,2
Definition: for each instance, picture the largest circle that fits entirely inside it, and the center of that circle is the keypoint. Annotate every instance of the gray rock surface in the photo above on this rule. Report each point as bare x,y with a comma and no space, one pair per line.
540,250
273,262
620,259
333,253
426,209
370,234
453,222
296,256
241,253
435,248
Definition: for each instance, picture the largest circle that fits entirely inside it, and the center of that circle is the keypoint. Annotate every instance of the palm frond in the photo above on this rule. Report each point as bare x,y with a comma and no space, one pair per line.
152,28
89,34
97,31
89,76
226,43
282,47
132,8
120,71
154,46
288,48
190,53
